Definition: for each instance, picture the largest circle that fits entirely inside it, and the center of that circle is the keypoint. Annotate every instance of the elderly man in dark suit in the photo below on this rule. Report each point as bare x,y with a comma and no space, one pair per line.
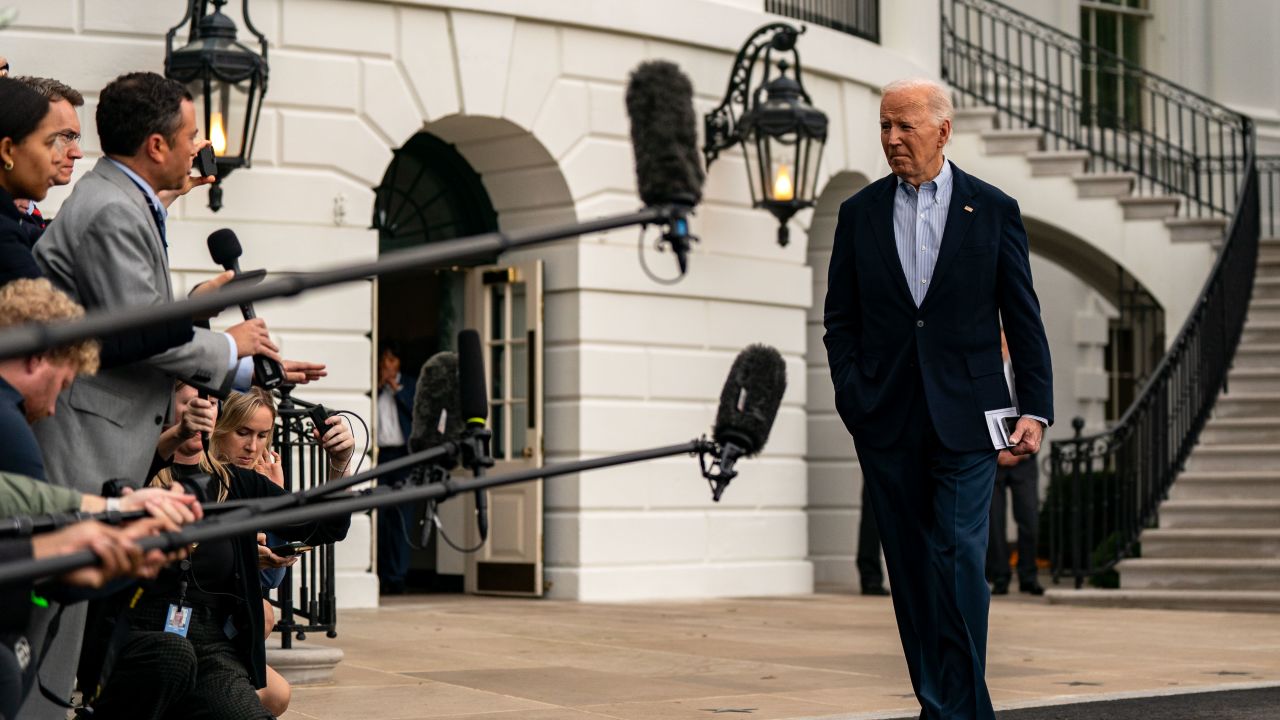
927,262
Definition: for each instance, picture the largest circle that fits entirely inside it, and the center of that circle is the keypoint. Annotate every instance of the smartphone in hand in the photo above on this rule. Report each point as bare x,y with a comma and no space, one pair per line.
292,548
205,163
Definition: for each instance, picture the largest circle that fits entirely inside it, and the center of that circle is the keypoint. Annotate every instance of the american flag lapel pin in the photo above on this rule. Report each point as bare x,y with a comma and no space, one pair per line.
968,209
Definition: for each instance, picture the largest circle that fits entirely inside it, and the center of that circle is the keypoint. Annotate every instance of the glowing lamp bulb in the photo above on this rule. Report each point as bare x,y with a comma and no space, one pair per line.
783,189
217,135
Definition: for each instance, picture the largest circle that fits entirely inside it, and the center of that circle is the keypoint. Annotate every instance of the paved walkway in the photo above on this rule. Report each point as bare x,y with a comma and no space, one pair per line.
815,656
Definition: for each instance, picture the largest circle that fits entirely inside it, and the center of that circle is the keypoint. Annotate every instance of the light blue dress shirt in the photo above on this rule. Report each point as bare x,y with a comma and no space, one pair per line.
919,218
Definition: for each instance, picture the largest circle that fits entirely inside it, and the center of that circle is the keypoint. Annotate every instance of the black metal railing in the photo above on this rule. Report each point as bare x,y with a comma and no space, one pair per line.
1105,489
860,18
1175,142
314,608
1269,189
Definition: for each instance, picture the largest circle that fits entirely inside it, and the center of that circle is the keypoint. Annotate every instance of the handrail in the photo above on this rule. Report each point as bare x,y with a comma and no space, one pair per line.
1175,141
860,18
1106,488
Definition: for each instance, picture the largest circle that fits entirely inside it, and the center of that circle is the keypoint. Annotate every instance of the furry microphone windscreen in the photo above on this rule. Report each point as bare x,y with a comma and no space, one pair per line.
437,416
224,246
750,399
663,135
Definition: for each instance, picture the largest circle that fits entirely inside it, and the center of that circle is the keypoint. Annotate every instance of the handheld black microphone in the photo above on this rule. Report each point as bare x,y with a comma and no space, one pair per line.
224,248
665,142
748,406
474,403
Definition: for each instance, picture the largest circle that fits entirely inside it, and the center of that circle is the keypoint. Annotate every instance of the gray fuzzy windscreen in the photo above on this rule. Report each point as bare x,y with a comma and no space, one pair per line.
437,391
750,399
663,134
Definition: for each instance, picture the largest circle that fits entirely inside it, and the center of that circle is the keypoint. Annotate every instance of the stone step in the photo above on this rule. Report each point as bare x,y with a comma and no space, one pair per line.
1199,574
1262,332
1101,185
1266,288
1269,249
1254,380
1058,163
973,119
1258,601
1256,483
1217,514
1242,404
1206,230
1257,355
1260,544
1014,141
1265,311
1149,207
1242,430
1245,458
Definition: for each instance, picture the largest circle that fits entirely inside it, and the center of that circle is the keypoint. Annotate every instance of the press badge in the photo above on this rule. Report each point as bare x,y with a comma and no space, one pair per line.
178,620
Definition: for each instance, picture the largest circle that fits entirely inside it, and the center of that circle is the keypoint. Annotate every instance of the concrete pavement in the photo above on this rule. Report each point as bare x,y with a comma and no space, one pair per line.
815,656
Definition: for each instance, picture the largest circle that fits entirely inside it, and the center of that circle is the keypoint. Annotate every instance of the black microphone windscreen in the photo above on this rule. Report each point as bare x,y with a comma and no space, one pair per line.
437,417
663,135
224,247
475,394
750,399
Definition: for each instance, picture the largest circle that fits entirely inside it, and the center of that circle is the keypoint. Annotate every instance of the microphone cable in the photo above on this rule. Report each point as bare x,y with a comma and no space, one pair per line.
644,265
363,453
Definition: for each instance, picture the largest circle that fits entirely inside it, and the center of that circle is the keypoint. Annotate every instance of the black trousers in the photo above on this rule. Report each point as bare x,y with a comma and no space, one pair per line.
395,524
932,506
870,575
1020,483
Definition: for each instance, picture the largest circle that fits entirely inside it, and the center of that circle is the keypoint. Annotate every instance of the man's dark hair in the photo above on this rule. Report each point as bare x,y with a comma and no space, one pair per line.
53,90
134,107
21,110
389,345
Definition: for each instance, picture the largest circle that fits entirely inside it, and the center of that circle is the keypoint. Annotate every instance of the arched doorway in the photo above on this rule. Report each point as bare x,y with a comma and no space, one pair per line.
429,194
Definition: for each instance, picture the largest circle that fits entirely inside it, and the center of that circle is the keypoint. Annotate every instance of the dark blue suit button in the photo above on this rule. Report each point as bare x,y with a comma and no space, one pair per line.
919,323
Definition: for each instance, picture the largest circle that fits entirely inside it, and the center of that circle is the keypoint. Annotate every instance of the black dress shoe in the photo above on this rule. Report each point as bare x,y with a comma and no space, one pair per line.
1031,588
875,590
1000,587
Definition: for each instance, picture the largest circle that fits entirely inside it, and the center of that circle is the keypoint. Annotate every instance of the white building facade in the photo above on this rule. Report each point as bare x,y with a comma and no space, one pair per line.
529,93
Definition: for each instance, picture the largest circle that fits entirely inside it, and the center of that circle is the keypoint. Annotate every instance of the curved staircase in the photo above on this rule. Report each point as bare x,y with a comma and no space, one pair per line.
1208,415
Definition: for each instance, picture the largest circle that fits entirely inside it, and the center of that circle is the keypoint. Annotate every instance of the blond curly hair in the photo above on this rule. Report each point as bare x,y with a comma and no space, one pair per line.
37,300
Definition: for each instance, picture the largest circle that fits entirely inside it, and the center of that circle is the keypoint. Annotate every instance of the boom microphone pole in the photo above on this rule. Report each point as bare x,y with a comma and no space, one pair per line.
752,432
671,179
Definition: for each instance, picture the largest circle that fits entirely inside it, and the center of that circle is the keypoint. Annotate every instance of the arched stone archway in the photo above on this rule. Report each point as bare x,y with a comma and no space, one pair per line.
524,181
835,482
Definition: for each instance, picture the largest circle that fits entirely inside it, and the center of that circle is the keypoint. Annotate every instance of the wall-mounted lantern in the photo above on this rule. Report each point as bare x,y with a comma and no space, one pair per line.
781,133
227,79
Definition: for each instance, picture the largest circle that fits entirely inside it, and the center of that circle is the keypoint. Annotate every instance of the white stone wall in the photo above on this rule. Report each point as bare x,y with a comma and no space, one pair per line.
531,92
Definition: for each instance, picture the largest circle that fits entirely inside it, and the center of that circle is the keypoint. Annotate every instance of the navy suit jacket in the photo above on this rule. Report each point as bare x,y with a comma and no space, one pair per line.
880,345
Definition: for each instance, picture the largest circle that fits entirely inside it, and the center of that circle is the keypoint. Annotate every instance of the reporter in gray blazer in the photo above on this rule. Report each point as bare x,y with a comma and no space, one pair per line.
107,249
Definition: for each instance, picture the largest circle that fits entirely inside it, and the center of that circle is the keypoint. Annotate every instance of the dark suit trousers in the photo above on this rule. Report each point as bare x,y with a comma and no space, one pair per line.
395,528
932,507
1020,482
870,575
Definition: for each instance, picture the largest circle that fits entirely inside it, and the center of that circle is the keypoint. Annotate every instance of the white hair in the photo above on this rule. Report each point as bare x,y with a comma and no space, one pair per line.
937,97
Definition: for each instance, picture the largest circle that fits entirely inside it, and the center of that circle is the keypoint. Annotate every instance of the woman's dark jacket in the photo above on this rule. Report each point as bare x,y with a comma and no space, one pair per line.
247,485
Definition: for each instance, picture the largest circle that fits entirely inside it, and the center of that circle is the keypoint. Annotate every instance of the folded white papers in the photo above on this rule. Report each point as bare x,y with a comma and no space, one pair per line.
996,426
